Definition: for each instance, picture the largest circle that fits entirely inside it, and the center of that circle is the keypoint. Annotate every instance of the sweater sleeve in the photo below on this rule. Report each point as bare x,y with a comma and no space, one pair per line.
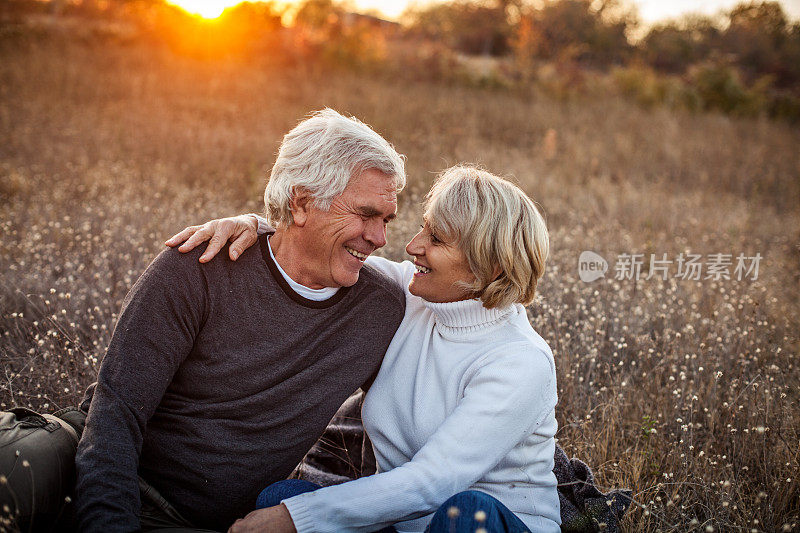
400,273
159,321
508,396
263,225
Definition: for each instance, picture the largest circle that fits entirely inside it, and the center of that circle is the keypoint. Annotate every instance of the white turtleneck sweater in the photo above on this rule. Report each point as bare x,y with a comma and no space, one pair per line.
464,400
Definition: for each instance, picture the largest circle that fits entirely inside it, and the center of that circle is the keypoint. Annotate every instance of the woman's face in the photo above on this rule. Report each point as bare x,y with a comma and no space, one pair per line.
439,266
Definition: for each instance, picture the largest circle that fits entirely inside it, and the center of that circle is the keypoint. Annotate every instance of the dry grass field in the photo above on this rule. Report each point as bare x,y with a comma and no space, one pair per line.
685,391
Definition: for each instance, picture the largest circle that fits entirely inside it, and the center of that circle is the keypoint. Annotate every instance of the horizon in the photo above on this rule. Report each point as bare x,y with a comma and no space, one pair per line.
650,11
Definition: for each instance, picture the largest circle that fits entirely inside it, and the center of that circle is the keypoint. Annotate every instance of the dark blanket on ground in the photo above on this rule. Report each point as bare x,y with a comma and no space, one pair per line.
344,453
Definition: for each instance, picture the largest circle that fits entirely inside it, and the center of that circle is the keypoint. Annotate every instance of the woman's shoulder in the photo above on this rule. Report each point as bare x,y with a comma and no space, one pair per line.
521,346
517,365
519,329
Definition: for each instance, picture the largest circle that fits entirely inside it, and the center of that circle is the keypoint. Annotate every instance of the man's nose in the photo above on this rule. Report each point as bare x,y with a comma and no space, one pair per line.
375,233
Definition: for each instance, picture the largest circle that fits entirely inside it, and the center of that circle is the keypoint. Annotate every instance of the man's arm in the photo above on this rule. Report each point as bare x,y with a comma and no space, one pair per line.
270,520
160,318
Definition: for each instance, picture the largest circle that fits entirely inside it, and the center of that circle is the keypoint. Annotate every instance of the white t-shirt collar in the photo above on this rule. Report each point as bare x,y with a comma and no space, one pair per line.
317,295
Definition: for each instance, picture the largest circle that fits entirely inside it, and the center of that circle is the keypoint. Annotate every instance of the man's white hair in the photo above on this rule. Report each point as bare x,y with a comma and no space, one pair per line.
321,154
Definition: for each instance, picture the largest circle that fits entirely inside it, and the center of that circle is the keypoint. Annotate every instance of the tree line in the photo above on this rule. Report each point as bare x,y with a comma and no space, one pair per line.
756,37
745,60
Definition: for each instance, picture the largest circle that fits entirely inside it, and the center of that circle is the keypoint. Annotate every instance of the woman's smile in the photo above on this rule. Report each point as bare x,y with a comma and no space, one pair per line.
441,268
421,269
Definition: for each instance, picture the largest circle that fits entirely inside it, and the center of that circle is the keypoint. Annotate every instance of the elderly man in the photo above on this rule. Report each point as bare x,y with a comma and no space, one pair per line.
220,376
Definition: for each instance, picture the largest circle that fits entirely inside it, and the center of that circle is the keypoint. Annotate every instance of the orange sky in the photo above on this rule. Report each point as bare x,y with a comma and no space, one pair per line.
653,10
649,10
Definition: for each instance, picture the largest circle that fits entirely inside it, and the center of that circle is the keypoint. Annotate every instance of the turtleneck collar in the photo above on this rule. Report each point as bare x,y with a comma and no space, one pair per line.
466,315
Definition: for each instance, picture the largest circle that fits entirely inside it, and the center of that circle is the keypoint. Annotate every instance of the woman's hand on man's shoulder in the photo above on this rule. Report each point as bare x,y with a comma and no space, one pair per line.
241,231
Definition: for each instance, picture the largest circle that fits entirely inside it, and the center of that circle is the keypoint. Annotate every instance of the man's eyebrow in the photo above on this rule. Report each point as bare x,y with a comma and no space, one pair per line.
372,212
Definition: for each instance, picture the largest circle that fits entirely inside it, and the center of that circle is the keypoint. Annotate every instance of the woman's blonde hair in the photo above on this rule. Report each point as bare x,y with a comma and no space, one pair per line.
497,227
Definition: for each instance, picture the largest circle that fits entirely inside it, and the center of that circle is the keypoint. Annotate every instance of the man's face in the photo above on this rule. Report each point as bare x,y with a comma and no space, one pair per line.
353,228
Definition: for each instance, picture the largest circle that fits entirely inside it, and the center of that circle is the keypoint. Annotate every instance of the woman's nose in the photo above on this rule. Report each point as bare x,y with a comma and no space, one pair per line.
414,247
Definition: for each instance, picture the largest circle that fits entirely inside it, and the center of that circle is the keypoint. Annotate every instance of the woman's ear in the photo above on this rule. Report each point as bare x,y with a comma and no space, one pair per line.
299,205
496,273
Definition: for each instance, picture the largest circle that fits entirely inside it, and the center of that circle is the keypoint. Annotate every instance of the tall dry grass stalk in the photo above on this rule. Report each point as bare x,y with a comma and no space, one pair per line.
685,391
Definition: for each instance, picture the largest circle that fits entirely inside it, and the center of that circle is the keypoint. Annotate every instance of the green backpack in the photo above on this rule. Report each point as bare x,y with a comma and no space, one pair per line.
37,468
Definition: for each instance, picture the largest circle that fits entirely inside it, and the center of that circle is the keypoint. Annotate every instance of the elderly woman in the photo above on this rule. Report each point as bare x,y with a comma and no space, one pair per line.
461,414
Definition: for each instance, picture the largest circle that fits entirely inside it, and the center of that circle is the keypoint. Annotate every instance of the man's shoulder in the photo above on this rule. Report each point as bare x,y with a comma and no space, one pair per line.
171,265
382,287
176,271
172,259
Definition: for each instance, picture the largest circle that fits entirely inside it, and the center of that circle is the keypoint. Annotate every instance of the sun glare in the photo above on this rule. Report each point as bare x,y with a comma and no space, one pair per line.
211,9
208,9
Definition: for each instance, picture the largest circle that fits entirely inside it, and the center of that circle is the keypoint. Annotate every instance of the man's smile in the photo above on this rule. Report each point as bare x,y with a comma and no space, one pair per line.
358,255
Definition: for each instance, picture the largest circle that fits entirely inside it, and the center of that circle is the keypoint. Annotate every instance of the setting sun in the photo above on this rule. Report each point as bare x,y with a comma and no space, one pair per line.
650,10
205,8
211,9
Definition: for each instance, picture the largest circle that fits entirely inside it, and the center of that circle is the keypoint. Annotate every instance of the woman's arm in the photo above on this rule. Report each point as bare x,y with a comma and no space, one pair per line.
242,230
508,396
400,273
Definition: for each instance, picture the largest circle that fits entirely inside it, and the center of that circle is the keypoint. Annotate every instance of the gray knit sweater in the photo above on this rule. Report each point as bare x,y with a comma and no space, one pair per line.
217,380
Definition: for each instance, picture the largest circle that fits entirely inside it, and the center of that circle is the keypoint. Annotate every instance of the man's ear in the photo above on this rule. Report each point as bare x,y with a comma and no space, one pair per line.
299,205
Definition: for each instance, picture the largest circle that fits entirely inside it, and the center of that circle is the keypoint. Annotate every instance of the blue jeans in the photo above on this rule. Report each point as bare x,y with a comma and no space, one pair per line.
497,517
462,513
283,490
